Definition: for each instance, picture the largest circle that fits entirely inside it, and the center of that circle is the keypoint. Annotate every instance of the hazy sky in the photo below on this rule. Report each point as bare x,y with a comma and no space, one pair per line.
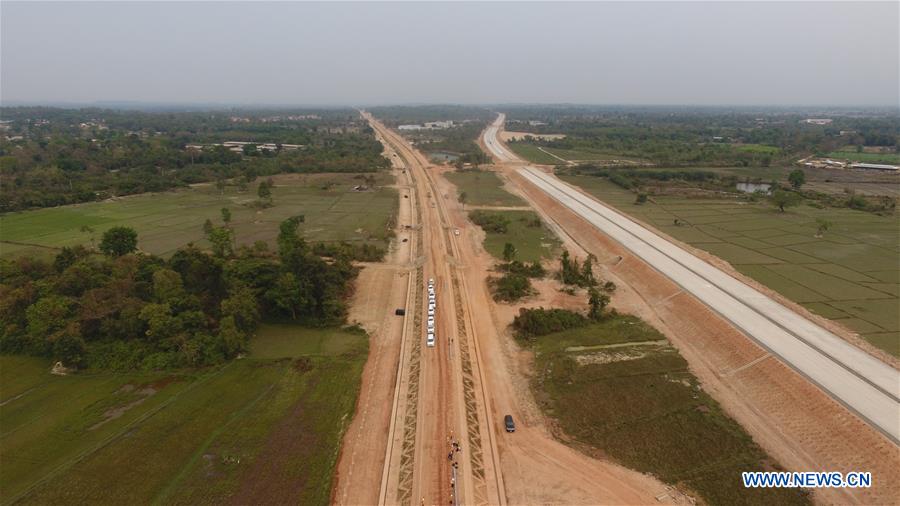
820,53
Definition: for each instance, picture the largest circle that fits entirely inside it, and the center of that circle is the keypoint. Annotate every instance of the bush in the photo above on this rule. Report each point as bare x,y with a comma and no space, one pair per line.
490,222
511,287
538,322
531,270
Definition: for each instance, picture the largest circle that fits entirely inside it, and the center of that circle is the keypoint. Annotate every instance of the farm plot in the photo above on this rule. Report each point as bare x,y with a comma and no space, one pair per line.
332,210
844,275
255,430
619,387
524,230
482,188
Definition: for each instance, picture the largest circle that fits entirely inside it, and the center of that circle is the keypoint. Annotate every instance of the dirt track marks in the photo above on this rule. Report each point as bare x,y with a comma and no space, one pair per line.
407,453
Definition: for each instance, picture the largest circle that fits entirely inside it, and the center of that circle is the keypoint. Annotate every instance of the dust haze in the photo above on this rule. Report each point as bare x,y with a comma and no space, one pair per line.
376,53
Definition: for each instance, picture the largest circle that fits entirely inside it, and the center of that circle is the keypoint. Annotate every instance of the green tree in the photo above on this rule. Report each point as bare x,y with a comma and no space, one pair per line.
69,347
207,226
509,252
285,294
597,302
782,199
233,339
641,198
463,197
226,215
118,241
565,267
797,178
241,305
264,191
161,324
167,285
222,241
48,315
220,185
289,239
587,271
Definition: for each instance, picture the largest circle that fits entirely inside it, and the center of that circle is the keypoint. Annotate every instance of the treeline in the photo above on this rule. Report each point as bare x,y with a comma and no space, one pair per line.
60,156
416,114
125,310
712,136
634,178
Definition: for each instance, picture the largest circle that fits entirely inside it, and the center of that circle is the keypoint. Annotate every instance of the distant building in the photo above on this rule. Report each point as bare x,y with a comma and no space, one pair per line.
874,166
816,121
430,125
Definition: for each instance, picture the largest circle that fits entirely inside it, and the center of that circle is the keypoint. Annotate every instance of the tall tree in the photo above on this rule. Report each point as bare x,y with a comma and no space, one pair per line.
797,178
226,215
782,199
597,302
118,241
264,191
222,241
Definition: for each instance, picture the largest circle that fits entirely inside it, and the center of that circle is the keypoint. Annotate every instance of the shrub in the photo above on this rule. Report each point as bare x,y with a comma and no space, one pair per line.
490,222
511,287
531,270
540,321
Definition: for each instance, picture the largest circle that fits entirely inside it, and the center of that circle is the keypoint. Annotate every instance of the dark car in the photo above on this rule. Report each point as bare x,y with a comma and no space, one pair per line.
509,423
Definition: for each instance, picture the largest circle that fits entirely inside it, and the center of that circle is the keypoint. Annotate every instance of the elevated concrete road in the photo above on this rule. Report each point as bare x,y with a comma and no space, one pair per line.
493,143
861,382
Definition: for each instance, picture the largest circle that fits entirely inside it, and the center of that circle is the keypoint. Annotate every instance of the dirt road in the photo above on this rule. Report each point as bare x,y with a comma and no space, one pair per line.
380,289
464,386
441,401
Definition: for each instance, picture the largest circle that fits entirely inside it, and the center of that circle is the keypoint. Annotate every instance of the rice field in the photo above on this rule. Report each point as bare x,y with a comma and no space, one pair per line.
850,274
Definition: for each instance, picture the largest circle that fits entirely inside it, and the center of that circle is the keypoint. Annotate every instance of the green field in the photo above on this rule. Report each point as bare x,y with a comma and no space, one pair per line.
850,275
483,188
531,153
620,387
851,154
263,430
533,243
535,154
167,221
757,148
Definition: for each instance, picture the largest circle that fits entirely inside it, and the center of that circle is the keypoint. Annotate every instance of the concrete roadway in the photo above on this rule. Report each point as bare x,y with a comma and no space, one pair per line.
864,384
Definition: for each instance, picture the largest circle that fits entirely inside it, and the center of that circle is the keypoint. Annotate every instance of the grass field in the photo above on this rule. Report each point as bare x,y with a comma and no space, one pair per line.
850,275
483,188
167,221
757,148
255,430
533,243
536,154
531,153
851,154
620,387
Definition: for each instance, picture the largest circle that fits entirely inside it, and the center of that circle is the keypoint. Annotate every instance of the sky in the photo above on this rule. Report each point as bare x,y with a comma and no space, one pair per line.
243,53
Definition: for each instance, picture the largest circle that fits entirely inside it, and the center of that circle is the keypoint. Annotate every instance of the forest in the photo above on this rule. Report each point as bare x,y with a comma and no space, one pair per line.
51,157
682,136
124,310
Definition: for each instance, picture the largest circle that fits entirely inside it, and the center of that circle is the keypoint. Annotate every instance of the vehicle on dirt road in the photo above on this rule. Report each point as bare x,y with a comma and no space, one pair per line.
509,423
